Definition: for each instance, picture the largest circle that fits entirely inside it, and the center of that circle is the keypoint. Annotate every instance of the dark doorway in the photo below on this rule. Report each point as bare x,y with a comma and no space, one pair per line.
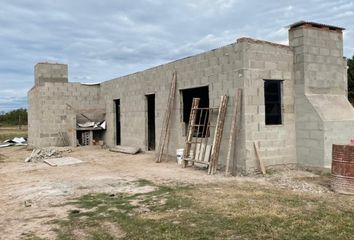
272,101
151,121
118,132
187,96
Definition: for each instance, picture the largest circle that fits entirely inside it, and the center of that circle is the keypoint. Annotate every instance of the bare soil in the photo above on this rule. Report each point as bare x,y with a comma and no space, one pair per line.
33,194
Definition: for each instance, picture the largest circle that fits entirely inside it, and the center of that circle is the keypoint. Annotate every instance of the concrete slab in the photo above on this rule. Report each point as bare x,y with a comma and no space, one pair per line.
54,162
125,149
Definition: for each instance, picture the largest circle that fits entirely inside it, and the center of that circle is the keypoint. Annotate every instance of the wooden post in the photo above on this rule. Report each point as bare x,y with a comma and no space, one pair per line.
261,163
237,131
233,129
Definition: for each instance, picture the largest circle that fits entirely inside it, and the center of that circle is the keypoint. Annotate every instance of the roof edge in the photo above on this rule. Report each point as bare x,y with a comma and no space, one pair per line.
256,41
315,25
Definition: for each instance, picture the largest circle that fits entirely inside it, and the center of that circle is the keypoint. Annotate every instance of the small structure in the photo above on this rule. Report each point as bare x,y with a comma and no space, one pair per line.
343,169
294,101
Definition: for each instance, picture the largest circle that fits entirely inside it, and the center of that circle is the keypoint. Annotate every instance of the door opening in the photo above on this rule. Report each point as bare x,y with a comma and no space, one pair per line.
187,99
118,132
151,139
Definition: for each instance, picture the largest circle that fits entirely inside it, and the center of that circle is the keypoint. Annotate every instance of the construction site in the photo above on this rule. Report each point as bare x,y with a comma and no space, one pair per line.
253,140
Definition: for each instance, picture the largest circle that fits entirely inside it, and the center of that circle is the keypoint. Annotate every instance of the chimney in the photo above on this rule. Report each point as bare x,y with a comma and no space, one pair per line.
50,72
319,66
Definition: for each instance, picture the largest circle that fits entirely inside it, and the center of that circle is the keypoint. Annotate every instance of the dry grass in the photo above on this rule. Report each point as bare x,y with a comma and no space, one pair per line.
244,211
8,132
87,201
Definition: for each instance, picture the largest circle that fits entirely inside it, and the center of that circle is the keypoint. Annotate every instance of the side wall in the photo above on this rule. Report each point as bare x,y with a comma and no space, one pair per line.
243,65
218,69
268,61
53,108
323,114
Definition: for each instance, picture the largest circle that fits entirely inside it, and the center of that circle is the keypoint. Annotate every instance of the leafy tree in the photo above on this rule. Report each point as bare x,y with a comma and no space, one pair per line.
15,117
351,79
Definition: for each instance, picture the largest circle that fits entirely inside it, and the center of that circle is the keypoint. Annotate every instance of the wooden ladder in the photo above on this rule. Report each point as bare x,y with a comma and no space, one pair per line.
194,128
214,160
165,131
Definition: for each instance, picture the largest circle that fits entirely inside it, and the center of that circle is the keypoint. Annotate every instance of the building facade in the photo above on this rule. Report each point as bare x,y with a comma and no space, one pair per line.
294,100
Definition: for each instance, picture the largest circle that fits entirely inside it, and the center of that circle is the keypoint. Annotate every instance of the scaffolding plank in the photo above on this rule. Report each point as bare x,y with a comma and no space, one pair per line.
260,160
233,130
164,137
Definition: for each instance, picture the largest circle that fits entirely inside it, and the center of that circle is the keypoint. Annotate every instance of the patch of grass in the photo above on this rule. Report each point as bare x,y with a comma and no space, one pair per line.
244,211
144,182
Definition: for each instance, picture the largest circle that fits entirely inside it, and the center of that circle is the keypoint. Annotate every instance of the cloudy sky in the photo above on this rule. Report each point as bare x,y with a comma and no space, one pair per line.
104,39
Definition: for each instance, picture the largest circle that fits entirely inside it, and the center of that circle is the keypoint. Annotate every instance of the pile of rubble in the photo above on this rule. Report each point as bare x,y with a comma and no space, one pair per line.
40,154
296,181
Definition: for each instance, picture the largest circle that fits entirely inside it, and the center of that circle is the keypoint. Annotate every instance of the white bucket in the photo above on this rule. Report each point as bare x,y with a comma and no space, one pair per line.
179,155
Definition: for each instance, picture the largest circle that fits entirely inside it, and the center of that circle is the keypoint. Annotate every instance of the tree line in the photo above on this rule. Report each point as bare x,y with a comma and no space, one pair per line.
14,117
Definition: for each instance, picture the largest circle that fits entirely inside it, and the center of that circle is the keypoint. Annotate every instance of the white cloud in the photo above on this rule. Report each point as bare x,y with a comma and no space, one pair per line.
101,40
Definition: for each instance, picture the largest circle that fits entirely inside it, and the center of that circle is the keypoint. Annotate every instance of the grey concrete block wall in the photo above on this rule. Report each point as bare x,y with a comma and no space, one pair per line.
53,108
312,70
323,114
200,70
50,72
268,61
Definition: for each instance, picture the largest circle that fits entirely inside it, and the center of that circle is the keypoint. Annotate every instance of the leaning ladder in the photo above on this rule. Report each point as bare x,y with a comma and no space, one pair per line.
164,136
193,143
218,135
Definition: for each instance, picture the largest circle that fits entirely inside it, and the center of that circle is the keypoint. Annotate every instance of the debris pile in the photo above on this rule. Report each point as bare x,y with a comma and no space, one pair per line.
44,153
17,141
95,125
296,181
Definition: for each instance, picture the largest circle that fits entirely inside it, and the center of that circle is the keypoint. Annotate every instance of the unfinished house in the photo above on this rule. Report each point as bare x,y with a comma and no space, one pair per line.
294,101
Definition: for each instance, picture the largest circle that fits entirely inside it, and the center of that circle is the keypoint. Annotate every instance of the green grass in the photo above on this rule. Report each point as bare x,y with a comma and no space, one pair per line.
246,211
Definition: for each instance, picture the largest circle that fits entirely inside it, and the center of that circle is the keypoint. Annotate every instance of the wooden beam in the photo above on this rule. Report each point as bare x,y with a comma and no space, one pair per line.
233,130
167,118
260,160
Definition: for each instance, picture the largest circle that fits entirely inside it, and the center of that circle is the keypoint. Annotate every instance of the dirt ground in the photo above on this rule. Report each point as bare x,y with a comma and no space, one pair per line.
32,193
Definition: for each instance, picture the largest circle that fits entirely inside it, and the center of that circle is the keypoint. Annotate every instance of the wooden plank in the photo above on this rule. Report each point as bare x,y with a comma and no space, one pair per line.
232,130
50,163
218,135
197,161
237,130
197,132
260,161
164,136
207,132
